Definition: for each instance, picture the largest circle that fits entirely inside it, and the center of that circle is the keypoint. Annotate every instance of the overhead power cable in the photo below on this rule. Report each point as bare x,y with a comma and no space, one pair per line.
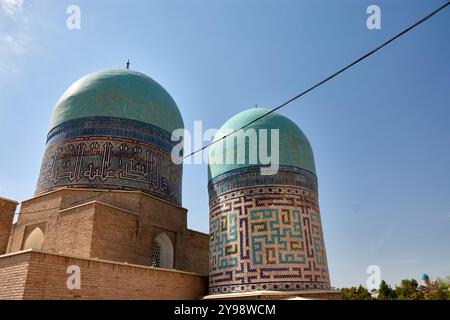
299,95
318,84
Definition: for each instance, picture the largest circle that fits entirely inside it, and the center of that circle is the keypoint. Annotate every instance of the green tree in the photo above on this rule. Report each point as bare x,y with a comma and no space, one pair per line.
441,292
348,293
386,292
354,293
407,290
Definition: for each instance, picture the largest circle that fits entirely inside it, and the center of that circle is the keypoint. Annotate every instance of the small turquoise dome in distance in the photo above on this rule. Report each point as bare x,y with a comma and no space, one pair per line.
294,148
119,93
425,277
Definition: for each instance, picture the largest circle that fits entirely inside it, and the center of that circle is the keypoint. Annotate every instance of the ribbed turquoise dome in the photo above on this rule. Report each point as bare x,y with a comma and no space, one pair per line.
294,148
119,93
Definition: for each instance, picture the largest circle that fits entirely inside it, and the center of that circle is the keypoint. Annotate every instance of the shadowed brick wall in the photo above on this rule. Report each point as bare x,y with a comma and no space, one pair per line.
116,225
7,209
13,275
38,275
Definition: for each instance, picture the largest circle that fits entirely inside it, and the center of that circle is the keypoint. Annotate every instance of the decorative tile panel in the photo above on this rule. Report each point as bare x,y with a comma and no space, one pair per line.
266,236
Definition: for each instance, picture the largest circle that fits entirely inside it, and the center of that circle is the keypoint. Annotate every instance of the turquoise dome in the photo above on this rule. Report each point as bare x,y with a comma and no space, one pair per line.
294,148
119,93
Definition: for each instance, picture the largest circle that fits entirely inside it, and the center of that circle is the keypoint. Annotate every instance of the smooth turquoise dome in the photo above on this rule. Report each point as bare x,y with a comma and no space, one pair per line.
119,93
294,148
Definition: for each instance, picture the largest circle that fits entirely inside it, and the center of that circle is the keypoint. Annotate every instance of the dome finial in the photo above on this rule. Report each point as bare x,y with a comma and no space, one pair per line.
128,64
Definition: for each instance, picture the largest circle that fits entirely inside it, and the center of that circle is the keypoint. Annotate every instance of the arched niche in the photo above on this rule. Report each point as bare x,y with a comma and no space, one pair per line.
162,252
34,240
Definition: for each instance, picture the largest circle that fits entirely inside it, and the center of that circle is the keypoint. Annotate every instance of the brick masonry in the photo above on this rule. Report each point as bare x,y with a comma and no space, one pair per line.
13,275
113,225
7,209
38,275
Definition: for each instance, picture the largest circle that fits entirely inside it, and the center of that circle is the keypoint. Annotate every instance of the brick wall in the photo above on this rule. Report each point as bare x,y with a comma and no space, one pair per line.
38,211
115,237
46,277
13,275
193,252
116,225
7,209
70,232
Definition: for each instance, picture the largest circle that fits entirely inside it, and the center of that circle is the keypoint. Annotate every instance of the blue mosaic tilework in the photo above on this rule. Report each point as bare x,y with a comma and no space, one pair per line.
251,176
279,240
111,127
110,153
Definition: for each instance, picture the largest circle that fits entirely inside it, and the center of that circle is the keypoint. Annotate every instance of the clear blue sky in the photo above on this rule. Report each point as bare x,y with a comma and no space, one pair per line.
380,132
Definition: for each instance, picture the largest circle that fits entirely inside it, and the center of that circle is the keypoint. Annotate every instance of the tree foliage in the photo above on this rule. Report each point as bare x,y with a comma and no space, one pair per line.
354,293
407,290
386,292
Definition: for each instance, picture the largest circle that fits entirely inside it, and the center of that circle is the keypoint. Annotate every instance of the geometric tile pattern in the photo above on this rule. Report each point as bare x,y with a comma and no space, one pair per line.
251,176
111,127
110,154
266,238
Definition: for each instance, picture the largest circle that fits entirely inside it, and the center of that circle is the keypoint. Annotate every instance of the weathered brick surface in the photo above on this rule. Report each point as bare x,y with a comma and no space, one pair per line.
193,248
40,211
116,237
7,209
70,232
13,275
116,225
46,277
